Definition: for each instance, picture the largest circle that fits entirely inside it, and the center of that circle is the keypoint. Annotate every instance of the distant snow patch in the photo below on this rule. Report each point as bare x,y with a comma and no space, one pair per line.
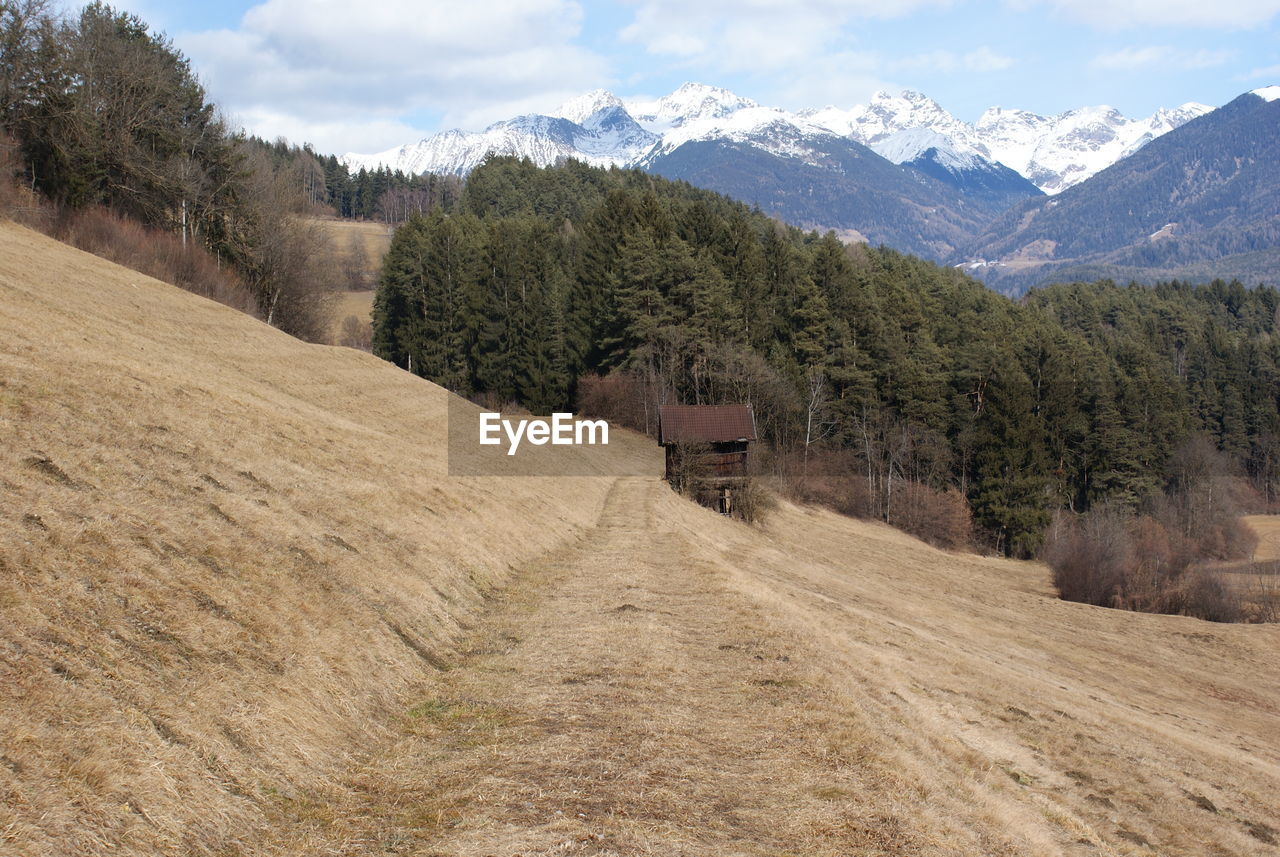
1268,93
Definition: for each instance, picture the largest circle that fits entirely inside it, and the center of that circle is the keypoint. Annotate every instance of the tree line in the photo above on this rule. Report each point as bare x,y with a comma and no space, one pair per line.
113,131
896,372
391,196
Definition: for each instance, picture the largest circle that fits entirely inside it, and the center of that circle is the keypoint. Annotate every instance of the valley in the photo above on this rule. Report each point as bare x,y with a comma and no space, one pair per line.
901,171
808,514
202,514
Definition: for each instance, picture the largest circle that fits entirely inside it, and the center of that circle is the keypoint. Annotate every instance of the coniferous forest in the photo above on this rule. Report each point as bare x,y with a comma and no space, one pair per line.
614,291
537,283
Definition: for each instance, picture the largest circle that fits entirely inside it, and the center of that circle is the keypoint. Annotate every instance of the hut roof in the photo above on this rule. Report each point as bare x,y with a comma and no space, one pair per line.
705,424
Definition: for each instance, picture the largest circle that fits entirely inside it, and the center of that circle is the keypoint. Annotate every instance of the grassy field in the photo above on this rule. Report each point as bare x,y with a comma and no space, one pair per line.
246,611
225,557
360,246
365,240
359,304
1268,529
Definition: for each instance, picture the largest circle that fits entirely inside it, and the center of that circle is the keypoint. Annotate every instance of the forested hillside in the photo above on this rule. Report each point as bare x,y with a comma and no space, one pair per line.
843,183
1202,199
903,372
109,142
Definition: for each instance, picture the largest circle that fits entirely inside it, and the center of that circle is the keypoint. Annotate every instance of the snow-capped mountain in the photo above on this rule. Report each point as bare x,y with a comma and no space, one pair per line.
1198,202
690,103
886,115
600,128
607,136
775,131
1053,152
585,106
1057,152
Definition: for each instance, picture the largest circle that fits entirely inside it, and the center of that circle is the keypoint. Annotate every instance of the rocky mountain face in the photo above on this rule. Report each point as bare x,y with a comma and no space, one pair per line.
1052,153
1014,197
1201,200
835,183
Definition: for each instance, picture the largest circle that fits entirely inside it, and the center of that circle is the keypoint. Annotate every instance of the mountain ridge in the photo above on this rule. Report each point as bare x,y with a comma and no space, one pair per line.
1202,195
1051,152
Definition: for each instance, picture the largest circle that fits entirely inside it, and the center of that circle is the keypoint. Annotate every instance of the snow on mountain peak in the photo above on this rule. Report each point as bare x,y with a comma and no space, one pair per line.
583,107
888,113
1053,152
910,143
689,103
1056,152
1267,93
768,128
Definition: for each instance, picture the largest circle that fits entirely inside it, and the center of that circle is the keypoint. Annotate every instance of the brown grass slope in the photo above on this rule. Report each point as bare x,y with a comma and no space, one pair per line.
676,683
224,557
196,672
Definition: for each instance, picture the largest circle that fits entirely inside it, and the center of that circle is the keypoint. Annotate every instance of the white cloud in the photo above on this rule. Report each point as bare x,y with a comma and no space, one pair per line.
344,75
1112,15
1161,56
982,59
1270,71
753,35
842,78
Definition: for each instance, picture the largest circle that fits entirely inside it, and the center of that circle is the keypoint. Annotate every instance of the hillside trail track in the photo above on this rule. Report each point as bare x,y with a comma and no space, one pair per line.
676,683
621,700
247,612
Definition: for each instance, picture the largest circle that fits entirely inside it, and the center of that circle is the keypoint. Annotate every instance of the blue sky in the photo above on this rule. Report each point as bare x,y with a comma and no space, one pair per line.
369,76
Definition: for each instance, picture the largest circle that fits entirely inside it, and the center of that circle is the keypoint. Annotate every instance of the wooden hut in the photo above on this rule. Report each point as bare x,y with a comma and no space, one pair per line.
720,435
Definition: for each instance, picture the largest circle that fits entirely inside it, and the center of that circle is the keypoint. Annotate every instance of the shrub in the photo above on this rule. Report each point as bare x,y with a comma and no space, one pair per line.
618,397
837,480
830,478
1089,557
1111,559
150,251
752,502
1205,594
940,518
1262,596
356,333
1229,538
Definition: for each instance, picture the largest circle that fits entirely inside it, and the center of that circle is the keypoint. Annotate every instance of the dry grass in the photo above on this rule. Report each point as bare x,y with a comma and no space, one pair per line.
245,613
360,246
358,304
677,683
224,556
1267,528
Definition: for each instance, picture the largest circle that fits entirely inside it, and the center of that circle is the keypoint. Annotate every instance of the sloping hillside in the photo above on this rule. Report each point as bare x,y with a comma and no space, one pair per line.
677,683
1198,201
854,188
225,556
244,613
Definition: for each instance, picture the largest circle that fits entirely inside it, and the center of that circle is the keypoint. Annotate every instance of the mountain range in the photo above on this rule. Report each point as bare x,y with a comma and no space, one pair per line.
1202,201
1014,197
600,128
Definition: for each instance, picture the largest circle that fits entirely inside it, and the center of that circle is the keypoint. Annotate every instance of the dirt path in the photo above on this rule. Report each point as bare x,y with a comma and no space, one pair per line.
675,683
622,701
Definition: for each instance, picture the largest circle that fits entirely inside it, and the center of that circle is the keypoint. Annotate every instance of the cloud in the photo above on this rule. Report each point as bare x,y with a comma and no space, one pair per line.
840,77
754,35
1134,58
1270,71
982,59
1112,15
346,74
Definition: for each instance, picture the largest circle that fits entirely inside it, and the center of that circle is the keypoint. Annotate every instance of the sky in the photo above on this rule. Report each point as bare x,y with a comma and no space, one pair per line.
369,76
